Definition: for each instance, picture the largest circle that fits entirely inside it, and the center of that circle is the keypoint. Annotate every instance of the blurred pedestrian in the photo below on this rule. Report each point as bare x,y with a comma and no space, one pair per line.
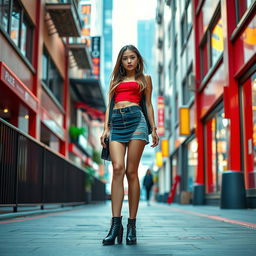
129,120
148,184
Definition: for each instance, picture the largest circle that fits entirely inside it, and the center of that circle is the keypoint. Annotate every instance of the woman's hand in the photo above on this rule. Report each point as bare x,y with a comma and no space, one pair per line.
103,136
155,139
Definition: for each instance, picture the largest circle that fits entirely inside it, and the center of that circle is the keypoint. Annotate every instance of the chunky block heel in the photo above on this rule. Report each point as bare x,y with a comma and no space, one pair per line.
120,235
116,231
131,232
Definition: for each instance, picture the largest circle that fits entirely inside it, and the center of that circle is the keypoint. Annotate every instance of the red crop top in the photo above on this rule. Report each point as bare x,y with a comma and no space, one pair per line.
128,91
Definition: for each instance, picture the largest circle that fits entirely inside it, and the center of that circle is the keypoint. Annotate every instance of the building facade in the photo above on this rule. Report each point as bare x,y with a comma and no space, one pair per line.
207,78
45,66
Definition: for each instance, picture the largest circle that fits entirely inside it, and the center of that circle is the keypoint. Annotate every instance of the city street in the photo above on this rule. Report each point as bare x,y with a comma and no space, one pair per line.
161,230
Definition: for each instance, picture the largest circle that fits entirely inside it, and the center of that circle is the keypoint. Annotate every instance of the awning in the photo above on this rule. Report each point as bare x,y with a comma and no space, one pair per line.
89,92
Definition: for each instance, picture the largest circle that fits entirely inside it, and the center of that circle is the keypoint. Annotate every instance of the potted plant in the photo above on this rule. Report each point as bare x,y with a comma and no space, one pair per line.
74,132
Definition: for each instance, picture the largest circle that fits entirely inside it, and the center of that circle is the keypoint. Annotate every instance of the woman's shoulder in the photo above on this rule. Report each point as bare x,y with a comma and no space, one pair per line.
148,81
147,76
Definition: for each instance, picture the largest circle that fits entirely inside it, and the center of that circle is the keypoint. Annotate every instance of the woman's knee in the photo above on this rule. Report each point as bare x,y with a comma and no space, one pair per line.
118,170
131,175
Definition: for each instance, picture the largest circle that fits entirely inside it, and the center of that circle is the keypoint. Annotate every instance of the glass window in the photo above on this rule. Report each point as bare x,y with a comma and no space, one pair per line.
15,22
44,68
169,34
51,77
187,93
204,60
26,38
4,13
24,31
174,167
248,42
249,131
186,23
242,7
222,136
189,16
207,11
17,26
183,30
192,163
175,54
176,108
217,43
217,136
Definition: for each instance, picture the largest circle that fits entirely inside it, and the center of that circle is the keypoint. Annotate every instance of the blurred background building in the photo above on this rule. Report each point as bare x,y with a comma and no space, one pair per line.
51,88
206,81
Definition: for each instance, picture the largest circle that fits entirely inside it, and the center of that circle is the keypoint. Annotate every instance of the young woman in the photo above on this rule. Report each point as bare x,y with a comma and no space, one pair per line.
127,129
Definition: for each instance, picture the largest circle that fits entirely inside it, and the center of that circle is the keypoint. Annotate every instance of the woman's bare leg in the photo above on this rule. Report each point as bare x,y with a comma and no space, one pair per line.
117,152
135,149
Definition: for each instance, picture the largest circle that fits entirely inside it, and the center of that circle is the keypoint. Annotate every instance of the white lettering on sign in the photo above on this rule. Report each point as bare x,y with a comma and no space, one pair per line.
19,89
9,78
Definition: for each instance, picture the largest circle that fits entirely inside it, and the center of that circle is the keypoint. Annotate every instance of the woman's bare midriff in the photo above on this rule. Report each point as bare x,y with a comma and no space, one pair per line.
124,104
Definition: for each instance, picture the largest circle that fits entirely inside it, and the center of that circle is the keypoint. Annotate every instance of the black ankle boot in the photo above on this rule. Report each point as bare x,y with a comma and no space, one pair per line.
131,232
116,230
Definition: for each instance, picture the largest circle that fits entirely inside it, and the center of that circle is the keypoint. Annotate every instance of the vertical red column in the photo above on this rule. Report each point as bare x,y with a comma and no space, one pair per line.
230,57
34,125
33,116
198,195
64,144
232,187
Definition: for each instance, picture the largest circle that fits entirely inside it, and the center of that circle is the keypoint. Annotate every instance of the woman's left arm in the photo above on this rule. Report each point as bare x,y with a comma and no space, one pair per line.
150,110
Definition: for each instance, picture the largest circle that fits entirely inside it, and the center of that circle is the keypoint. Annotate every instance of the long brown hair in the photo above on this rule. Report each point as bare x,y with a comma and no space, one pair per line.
119,72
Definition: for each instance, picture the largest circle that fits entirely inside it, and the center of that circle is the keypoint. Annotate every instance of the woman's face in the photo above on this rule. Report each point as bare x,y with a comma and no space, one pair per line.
129,60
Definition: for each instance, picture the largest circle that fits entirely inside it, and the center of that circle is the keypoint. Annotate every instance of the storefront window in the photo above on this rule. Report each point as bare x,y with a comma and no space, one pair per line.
216,151
242,6
15,22
175,171
192,163
249,131
216,42
4,14
174,168
222,137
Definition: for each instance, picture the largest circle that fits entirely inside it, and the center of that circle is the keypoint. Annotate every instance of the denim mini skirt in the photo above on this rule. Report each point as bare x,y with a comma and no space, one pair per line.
128,124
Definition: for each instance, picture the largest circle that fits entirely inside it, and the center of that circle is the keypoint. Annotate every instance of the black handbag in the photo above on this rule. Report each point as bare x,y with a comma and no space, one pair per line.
105,154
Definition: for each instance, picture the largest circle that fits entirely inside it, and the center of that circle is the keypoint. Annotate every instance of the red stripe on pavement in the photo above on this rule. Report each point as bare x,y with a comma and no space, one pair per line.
33,218
214,217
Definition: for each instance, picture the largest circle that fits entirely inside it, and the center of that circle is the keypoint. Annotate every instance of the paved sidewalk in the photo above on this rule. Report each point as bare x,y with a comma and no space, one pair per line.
161,230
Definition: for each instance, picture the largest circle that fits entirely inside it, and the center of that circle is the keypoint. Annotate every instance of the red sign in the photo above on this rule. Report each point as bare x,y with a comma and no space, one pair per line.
18,87
160,115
